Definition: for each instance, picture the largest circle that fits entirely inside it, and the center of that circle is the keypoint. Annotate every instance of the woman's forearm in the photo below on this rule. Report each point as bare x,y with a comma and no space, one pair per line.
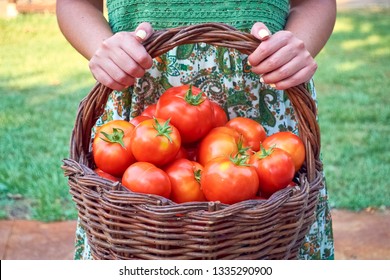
83,24
312,21
115,60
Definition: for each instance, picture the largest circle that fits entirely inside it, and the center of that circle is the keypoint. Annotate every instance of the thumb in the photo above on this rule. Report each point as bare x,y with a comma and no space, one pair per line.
260,31
143,31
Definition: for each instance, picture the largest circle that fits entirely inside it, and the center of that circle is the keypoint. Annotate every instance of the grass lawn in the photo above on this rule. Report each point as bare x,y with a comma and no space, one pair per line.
353,92
42,80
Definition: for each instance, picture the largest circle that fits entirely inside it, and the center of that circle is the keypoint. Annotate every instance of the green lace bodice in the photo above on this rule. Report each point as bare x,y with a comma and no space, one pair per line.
126,15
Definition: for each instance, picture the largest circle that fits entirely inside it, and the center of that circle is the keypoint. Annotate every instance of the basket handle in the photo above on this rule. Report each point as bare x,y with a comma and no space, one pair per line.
218,34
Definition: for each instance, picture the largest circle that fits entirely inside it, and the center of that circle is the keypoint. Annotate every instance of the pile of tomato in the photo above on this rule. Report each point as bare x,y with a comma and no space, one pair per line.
184,148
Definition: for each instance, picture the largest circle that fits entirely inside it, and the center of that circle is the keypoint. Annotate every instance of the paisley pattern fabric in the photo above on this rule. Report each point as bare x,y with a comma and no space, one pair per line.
222,73
226,78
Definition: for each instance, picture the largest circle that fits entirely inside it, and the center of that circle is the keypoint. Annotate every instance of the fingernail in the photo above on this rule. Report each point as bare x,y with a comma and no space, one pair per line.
263,34
141,34
272,85
261,80
247,62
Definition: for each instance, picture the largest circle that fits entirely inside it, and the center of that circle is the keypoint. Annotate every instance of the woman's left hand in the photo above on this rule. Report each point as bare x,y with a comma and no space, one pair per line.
281,60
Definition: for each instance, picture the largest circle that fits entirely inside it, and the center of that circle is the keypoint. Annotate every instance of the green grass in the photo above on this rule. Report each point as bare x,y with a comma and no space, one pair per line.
42,80
353,87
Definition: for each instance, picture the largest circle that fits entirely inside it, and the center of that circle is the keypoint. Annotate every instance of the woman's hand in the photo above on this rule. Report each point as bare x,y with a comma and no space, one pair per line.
281,60
122,58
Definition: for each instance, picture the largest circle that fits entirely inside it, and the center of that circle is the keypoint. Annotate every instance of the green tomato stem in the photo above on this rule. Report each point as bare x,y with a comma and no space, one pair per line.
164,129
240,146
263,153
240,159
115,137
194,100
197,175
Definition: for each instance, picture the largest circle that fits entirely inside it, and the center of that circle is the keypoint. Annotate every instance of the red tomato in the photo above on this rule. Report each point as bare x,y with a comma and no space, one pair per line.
289,142
111,147
220,141
275,169
220,116
106,175
185,180
155,141
292,184
135,121
252,131
150,111
192,151
225,180
144,177
182,153
260,198
189,110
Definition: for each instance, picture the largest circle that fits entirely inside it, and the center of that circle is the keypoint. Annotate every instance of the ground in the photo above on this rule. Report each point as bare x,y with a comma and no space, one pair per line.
362,235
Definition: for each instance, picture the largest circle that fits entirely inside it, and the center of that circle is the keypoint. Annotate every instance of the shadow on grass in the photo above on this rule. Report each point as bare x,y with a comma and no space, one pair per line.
36,123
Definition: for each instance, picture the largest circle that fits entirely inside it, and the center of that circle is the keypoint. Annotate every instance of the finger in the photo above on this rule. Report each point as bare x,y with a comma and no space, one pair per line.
101,76
302,76
126,63
138,53
283,72
118,75
135,50
260,31
143,31
111,75
275,61
266,49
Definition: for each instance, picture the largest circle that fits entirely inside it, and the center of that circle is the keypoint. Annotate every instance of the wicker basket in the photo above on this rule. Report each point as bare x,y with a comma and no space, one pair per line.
124,225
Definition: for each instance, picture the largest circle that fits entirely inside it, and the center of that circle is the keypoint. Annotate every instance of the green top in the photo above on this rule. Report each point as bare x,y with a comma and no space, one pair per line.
126,15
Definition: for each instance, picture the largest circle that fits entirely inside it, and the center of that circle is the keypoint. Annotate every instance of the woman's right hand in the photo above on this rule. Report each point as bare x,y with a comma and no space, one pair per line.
122,58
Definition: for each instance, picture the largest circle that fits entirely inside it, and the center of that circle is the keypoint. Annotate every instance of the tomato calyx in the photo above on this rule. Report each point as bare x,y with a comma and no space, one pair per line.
194,100
163,130
264,153
241,149
115,137
240,160
197,174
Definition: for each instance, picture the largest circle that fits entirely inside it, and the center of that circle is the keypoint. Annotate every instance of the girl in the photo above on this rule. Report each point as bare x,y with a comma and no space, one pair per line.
292,33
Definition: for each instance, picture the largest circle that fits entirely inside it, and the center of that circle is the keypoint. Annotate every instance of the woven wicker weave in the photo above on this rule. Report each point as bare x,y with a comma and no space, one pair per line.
124,225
